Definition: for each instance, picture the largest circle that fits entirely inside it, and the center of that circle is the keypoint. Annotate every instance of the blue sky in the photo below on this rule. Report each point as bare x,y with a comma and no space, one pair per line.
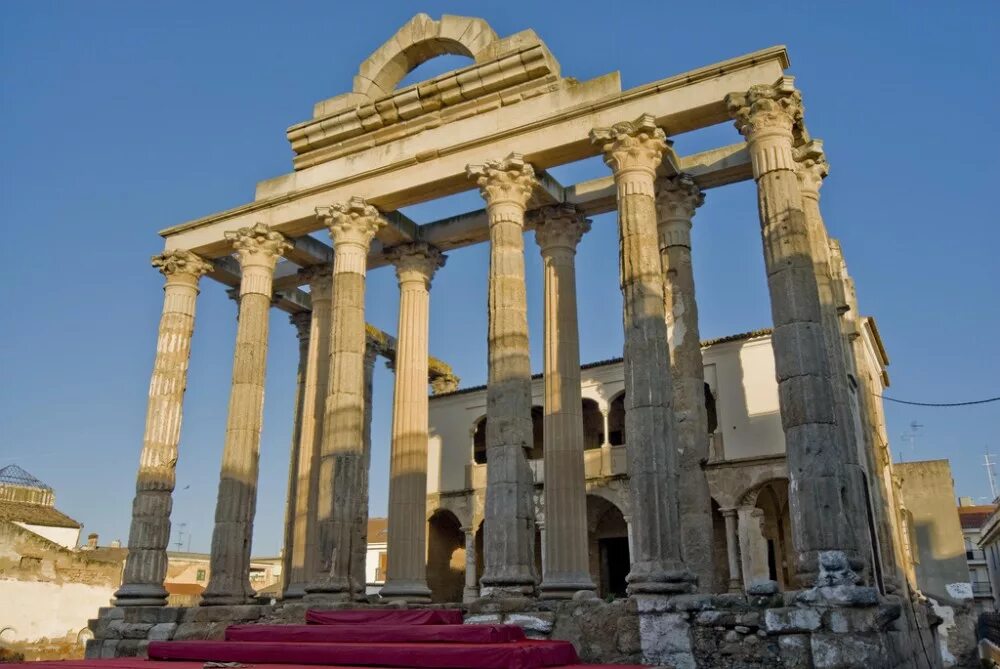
118,119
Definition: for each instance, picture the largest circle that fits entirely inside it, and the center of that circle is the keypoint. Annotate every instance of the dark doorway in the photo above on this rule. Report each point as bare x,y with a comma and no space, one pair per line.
615,565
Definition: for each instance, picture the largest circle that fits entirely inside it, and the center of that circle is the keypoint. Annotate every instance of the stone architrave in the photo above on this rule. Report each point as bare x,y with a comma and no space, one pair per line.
509,531
352,227
823,472
677,198
565,566
302,321
407,547
258,250
633,151
146,567
304,550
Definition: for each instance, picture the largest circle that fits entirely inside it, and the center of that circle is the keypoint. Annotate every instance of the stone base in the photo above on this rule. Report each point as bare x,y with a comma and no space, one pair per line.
725,631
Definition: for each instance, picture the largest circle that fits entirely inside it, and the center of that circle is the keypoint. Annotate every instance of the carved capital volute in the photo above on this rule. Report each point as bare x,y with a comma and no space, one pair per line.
180,265
812,167
765,116
258,246
507,181
445,383
558,227
301,320
352,223
416,262
632,146
678,197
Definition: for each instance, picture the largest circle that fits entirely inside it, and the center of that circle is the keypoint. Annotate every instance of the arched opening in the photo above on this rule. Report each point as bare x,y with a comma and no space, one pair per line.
479,442
445,557
537,451
593,424
83,636
435,67
616,420
607,535
766,536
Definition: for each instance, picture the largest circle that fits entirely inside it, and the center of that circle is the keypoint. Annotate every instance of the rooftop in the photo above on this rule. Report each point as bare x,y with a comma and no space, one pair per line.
14,475
35,514
973,517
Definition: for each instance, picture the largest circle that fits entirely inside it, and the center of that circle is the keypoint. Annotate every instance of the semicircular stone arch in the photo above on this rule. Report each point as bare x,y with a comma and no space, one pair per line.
421,39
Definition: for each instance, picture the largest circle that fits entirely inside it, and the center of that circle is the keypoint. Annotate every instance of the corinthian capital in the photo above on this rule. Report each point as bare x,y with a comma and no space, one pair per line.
301,320
352,222
631,145
509,180
181,261
678,197
416,262
258,245
811,166
764,108
559,226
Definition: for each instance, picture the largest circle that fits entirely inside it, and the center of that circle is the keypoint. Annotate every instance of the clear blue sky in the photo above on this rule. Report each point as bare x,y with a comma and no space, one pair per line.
118,119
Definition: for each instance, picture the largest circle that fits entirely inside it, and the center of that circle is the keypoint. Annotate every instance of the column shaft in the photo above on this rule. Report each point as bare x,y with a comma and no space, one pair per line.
359,556
302,321
565,563
509,514
471,591
146,567
407,548
823,471
352,227
633,151
677,200
733,550
258,250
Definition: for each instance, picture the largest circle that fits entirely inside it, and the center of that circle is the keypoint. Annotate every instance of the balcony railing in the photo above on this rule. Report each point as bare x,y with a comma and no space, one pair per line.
981,588
597,462
975,554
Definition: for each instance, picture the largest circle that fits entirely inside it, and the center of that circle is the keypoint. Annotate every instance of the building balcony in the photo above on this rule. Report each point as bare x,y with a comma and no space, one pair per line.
597,463
975,554
981,589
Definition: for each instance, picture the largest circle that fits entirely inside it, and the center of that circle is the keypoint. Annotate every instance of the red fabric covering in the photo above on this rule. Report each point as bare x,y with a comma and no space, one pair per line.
513,655
385,617
376,633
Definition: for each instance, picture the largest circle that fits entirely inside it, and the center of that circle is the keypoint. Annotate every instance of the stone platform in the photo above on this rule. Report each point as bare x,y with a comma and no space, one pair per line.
824,628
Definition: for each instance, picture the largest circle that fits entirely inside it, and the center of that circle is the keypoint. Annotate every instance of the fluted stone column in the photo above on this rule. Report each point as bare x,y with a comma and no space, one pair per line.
258,250
302,321
352,226
509,538
149,534
565,562
359,530
677,198
471,591
733,550
633,150
823,474
304,564
407,547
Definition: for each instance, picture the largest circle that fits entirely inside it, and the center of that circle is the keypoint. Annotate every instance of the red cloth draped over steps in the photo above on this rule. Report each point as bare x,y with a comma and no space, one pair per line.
512,655
385,617
376,633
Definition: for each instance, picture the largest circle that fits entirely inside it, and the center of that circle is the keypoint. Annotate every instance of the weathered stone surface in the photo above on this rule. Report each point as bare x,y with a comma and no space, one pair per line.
200,631
791,620
540,623
666,639
162,632
795,651
213,614
840,651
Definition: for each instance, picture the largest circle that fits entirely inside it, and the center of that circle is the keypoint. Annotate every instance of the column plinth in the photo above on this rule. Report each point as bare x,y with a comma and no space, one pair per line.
565,566
258,250
509,534
352,226
304,564
633,150
407,547
825,479
677,200
149,534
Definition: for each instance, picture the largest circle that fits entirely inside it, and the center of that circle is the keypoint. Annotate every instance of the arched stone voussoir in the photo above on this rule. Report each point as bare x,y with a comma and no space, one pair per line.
421,39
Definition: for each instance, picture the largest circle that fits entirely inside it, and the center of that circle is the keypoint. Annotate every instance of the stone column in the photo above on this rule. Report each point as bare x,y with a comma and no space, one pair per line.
302,321
146,567
471,591
677,199
305,550
733,550
565,563
352,226
258,250
506,185
359,532
407,547
633,151
824,476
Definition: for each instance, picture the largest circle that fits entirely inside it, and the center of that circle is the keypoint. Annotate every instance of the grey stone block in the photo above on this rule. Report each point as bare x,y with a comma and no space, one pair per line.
162,632
791,620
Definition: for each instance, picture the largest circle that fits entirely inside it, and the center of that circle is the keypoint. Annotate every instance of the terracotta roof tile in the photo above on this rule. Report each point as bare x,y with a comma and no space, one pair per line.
35,514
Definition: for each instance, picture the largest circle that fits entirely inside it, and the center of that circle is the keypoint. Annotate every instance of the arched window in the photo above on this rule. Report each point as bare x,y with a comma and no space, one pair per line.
479,442
710,410
616,421
593,424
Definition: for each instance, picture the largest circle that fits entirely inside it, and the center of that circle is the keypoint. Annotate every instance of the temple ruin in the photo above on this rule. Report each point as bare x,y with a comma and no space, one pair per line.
836,593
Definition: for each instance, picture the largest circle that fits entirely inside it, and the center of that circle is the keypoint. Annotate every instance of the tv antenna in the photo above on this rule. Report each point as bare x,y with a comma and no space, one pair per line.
911,438
991,472
180,536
